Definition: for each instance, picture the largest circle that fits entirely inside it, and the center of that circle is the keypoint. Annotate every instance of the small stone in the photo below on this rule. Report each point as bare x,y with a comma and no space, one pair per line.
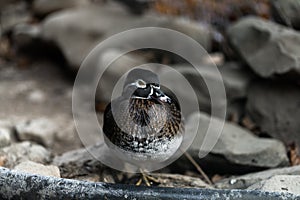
279,183
243,182
258,42
37,168
5,138
36,96
24,151
236,144
41,130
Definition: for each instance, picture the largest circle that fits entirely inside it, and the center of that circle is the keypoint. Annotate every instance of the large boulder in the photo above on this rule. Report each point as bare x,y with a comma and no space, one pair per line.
268,48
275,108
236,144
77,31
286,12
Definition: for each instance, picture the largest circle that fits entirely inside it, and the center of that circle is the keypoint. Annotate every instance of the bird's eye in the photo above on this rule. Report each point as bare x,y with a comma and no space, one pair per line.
140,83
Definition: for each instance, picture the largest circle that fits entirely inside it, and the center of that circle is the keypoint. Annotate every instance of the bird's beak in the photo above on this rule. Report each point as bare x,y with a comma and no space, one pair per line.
158,95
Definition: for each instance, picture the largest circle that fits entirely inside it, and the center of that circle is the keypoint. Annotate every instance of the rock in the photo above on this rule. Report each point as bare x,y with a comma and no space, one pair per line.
37,168
234,78
78,162
77,31
36,96
5,137
44,7
236,144
13,14
279,183
41,130
243,182
114,72
286,12
19,152
280,117
257,42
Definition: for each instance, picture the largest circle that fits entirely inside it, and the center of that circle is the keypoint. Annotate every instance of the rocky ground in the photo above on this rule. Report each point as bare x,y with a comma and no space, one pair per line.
43,43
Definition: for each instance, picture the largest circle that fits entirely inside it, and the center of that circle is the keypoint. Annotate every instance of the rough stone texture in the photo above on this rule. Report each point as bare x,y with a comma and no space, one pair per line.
12,14
235,78
286,12
275,108
12,184
5,136
37,168
243,182
280,183
114,71
259,42
77,31
17,153
236,144
44,7
40,130
78,162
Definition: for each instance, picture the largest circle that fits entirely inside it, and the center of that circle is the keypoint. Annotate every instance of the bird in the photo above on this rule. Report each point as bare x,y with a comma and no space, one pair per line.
144,125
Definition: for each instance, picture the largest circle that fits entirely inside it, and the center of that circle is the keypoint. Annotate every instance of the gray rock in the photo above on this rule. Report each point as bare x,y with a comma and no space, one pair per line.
79,162
77,31
286,12
41,130
234,78
274,107
37,168
13,14
243,182
5,137
279,183
44,7
19,152
236,144
258,42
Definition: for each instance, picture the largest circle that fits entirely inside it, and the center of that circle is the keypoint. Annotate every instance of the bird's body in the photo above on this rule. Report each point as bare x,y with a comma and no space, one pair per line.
145,122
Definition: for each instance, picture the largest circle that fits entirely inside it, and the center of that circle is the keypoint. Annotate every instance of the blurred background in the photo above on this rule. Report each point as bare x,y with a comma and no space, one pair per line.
255,45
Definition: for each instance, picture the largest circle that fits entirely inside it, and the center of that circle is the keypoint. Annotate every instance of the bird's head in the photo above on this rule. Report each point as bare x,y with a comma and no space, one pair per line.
144,84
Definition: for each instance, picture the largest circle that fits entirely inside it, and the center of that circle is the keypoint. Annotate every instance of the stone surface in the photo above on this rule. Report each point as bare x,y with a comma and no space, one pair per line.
41,187
12,14
37,168
77,31
275,108
244,181
44,7
5,137
235,79
286,12
236,144
19,152
41,130
279,183
258,42
78,162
